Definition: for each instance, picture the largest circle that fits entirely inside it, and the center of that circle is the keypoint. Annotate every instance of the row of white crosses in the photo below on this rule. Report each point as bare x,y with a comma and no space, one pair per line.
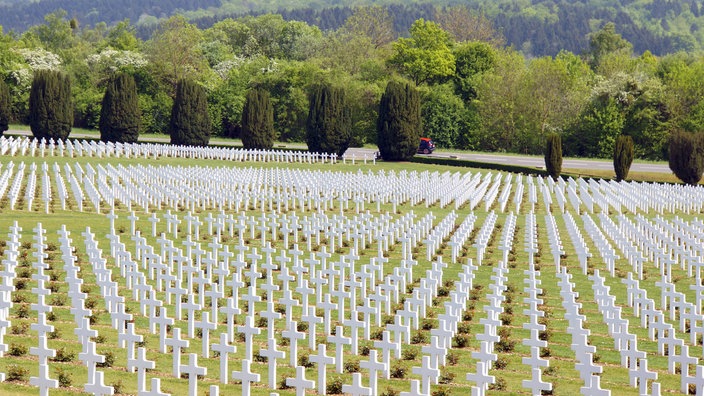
72,148
151,187
273,189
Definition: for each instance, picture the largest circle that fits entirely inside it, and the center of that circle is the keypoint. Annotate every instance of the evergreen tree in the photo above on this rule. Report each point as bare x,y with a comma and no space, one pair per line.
5,106
258,121
623,156
328,127
553,155
50,107
120,116
190,121
687,156
399,123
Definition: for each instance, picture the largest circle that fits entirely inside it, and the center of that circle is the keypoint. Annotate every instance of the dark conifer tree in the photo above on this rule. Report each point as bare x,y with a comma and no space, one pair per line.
623,156
120,116
687,156
553,155
399,123
258,121
50,107
328,127
5,106
190,122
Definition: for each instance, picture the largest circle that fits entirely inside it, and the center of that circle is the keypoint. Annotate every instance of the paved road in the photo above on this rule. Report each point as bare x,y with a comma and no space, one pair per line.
532,161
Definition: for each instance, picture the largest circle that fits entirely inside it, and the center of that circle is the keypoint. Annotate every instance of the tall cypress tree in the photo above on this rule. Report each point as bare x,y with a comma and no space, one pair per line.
553,155
399,123
190,121
328,127
623,156
687,156
120,117
50,107
5,106
258,121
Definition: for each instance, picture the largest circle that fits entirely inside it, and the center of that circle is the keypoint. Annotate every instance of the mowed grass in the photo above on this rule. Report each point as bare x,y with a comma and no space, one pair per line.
562,373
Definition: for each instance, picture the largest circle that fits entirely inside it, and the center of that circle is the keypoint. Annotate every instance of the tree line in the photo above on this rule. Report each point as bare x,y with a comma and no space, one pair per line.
475,92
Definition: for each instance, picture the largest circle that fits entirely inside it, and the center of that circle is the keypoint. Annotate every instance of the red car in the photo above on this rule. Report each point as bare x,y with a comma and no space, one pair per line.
426,146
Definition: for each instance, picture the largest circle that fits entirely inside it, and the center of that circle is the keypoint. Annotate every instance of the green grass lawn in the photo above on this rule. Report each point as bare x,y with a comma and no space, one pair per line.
561,374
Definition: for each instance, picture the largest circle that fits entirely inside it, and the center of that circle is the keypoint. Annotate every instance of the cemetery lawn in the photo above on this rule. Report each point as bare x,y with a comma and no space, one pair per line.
509,371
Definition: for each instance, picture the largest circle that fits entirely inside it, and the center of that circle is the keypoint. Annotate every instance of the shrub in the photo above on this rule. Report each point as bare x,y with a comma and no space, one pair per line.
16,373
17,349
446,377
64,377
420,337
409,353
460,341
553,155
498,385
109,360
304,360
398,371
623,156
334,386
687,156
351,366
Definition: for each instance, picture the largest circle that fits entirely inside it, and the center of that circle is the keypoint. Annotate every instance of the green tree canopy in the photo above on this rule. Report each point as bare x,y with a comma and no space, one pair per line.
50,107
607,41
328,126
426,55
120,116
258,121
190,122
399,124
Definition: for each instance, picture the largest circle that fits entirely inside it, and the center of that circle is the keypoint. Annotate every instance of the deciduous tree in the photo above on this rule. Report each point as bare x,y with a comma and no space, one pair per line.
426,55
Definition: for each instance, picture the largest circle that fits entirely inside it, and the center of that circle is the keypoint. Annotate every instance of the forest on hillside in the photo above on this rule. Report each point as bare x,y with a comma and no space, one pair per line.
537,27
476,92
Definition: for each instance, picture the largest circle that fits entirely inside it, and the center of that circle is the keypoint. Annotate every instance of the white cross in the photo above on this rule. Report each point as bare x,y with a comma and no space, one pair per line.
272,354
356,389
641,375
300,382
155,389
176,343
223,348
193,371
427,372
98,387
142,364
246,376
322,360
373,365
340,341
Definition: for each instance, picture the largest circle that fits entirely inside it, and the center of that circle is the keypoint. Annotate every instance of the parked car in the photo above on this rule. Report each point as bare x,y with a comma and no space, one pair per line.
426,146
